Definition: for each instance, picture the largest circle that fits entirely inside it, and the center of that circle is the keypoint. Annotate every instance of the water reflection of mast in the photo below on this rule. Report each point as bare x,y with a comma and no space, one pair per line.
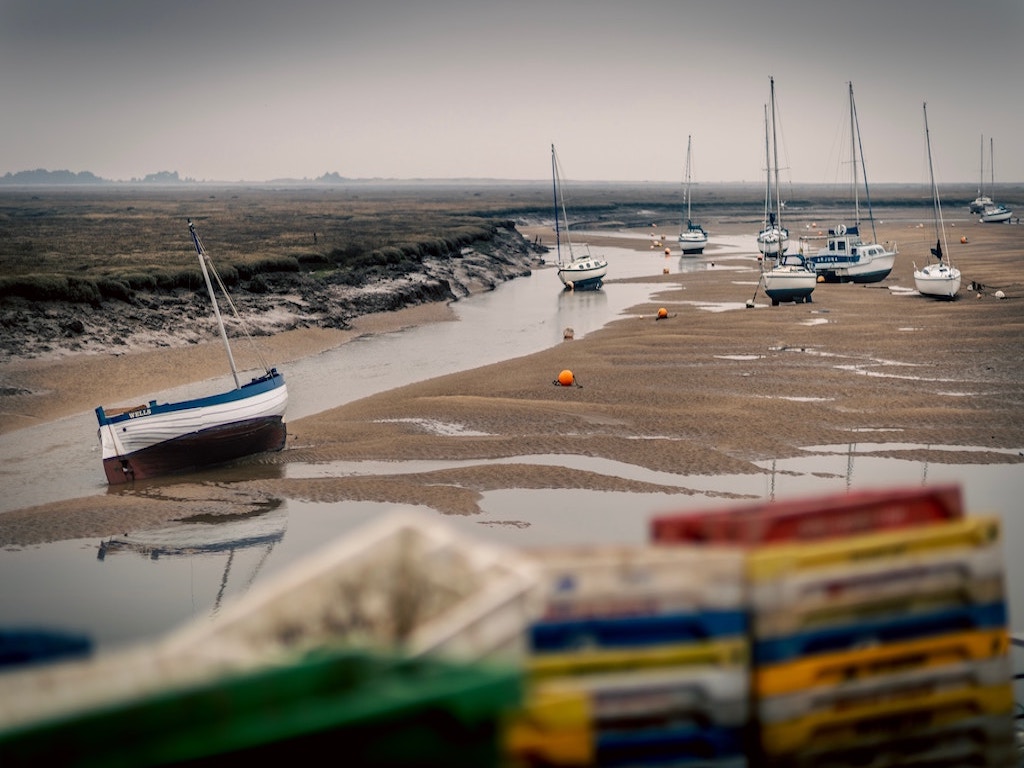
207,535
850,451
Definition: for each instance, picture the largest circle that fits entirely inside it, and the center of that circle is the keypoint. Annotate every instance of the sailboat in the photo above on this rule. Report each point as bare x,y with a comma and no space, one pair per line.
786,277
847,257
982,201
994,213
577,273
692,239
154,439
940,280
773,239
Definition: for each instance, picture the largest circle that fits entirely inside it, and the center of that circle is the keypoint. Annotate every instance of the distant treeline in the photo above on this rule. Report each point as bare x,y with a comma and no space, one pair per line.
58,178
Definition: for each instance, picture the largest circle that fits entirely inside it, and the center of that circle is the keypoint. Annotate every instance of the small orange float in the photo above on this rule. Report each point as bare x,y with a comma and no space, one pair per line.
662,313
566,378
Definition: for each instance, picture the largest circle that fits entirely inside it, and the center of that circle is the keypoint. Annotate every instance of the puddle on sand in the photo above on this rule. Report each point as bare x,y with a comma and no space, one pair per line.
129,595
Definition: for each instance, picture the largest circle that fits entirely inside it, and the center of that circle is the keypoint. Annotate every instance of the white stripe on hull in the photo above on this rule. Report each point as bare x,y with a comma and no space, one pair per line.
127,437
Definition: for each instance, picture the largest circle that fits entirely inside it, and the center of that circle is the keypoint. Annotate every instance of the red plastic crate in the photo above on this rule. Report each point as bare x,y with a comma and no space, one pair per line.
814,518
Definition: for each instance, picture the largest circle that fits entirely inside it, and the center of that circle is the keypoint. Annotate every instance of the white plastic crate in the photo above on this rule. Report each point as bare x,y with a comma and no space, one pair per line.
643,580
408,582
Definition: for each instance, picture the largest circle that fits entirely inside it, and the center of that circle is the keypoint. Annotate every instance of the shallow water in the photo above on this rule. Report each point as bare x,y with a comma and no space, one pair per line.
119,596
122,595
517,318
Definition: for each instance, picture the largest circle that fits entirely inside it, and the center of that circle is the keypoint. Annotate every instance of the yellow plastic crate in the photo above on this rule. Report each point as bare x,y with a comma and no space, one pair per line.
834,668
866,692
895,719
729,652
777,560
553,726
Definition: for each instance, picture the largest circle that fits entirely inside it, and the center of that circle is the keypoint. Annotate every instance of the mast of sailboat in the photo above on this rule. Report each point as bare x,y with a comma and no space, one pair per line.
554,195
213,300
981,166
937,207
768,169
556,182
992,165
853,157
689,139
775,155
863,167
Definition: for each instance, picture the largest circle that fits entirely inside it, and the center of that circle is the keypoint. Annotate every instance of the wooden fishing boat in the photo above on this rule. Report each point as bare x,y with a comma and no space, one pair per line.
153,439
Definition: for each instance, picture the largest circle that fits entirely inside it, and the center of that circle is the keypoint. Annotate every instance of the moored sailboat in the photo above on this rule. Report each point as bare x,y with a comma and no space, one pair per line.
153,439
773,239
786,277
992,212
982,201
940,280
577,273
847,257
693,238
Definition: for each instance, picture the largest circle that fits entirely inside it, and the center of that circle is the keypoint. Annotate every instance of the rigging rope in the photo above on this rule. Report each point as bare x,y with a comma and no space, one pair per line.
234,312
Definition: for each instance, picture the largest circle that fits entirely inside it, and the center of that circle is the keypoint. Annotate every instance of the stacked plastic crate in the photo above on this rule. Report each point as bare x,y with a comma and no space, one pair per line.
878,628
640,657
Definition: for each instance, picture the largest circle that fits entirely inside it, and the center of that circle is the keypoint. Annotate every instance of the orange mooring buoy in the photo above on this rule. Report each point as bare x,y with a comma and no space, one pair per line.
565,378
662,313
963,240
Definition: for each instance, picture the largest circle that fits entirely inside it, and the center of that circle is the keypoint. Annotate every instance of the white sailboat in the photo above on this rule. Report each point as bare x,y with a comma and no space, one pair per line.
577,273
692,238
153,439
773,239
940,280
982,201
992,212
786,277
847,257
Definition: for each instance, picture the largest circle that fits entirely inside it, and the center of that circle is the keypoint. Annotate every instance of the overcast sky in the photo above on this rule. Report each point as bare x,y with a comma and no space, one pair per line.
253,90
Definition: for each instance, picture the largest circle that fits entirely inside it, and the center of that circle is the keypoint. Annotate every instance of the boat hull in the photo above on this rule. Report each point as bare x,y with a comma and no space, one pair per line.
167,438
848,259
692,243
198,450
996,215
939,281
583,274
773,243
873,270
789,282
784,288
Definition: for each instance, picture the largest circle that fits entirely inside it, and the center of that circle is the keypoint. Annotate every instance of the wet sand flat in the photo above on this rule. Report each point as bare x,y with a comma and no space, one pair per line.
699,392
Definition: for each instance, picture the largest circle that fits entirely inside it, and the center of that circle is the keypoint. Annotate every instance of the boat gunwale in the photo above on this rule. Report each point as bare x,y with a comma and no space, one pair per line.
270,381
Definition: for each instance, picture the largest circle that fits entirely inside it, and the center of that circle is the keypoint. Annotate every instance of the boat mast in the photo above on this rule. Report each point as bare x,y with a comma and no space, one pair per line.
936,206
768,170
213,300
688,140
992,165
853,157
981,166
863,168
556,184
554,195
775,154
